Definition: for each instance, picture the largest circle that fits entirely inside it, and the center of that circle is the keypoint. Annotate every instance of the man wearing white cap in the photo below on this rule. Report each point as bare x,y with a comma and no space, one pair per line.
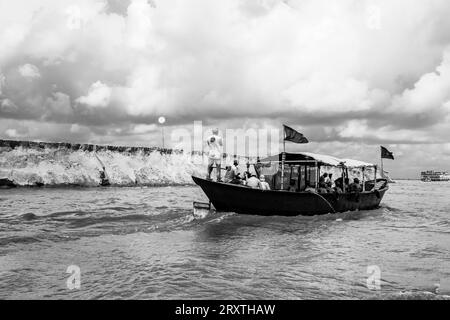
215,144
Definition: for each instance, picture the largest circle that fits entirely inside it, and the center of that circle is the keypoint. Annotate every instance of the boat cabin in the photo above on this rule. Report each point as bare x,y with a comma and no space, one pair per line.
299,171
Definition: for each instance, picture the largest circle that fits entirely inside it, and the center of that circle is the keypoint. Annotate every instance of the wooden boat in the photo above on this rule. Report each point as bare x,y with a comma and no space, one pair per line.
226,197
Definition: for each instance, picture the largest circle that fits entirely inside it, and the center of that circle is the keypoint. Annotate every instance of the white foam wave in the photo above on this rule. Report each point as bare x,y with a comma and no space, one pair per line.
63,166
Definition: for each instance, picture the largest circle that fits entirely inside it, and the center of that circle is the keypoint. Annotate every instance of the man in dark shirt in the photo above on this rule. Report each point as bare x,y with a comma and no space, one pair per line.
234,174
355,186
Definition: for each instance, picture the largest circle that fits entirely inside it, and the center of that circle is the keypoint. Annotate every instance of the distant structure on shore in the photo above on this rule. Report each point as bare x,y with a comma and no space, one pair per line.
429,176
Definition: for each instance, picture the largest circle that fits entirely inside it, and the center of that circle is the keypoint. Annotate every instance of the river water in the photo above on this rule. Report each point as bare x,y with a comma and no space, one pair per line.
144,243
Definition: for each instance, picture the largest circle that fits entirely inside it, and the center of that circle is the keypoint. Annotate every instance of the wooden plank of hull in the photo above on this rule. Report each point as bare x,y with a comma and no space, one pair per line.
243,200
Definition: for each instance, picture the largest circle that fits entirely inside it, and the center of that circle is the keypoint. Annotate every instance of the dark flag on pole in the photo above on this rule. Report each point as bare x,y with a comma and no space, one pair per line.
386,154
294,136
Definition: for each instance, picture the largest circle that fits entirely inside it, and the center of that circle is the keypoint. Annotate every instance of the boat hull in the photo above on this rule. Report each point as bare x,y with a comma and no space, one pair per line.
243,200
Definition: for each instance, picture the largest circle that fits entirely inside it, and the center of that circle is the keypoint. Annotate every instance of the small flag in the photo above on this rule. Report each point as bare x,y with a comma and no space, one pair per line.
386,154
294,136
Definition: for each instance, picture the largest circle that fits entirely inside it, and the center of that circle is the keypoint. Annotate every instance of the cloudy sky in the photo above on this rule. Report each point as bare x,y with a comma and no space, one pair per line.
349,74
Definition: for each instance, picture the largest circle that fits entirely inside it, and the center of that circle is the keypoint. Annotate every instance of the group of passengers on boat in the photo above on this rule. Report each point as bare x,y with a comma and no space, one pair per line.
257,180
327,185
251,180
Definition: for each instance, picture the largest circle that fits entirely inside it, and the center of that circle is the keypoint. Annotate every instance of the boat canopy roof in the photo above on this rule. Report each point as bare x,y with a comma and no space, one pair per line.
324,160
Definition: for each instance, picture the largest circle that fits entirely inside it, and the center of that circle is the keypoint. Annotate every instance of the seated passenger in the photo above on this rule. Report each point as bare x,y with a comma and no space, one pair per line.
322,185
326,178
253,182
245,178
276,180
329,182
310,188
338,185
228,175
292,186
355,186
259,166
238,179
264,184
234,174
347,184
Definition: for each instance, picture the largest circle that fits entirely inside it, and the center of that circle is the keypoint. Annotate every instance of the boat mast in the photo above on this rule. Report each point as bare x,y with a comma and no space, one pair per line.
343,178
317,175
375,184
364,179
283,159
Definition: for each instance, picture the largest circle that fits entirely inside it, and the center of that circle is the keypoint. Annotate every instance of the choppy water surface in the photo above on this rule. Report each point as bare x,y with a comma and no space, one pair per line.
144,243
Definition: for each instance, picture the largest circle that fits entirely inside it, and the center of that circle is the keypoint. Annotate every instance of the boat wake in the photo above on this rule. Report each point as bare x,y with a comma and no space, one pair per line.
389,209
102,221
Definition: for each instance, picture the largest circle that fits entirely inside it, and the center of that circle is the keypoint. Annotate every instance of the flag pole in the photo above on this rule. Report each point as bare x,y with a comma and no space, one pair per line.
283,159
375,180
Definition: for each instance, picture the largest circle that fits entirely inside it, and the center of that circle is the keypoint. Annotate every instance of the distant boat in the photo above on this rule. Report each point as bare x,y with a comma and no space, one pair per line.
431,176
303,169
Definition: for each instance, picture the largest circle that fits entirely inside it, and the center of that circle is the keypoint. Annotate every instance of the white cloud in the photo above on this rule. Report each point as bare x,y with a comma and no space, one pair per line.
76,128
214,58
354,128
29,71
74,17
358,129
143,128
99,95
11,36
430,92
138,24
322,94
12,133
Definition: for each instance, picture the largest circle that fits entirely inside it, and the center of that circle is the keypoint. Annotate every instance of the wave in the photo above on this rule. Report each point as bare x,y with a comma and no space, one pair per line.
29,164
72,225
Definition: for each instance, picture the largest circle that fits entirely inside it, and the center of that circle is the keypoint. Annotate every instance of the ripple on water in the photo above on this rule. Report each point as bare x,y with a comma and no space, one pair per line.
147,243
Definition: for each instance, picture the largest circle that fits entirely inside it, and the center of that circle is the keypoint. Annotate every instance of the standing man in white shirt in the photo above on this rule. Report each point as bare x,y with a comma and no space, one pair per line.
215,144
